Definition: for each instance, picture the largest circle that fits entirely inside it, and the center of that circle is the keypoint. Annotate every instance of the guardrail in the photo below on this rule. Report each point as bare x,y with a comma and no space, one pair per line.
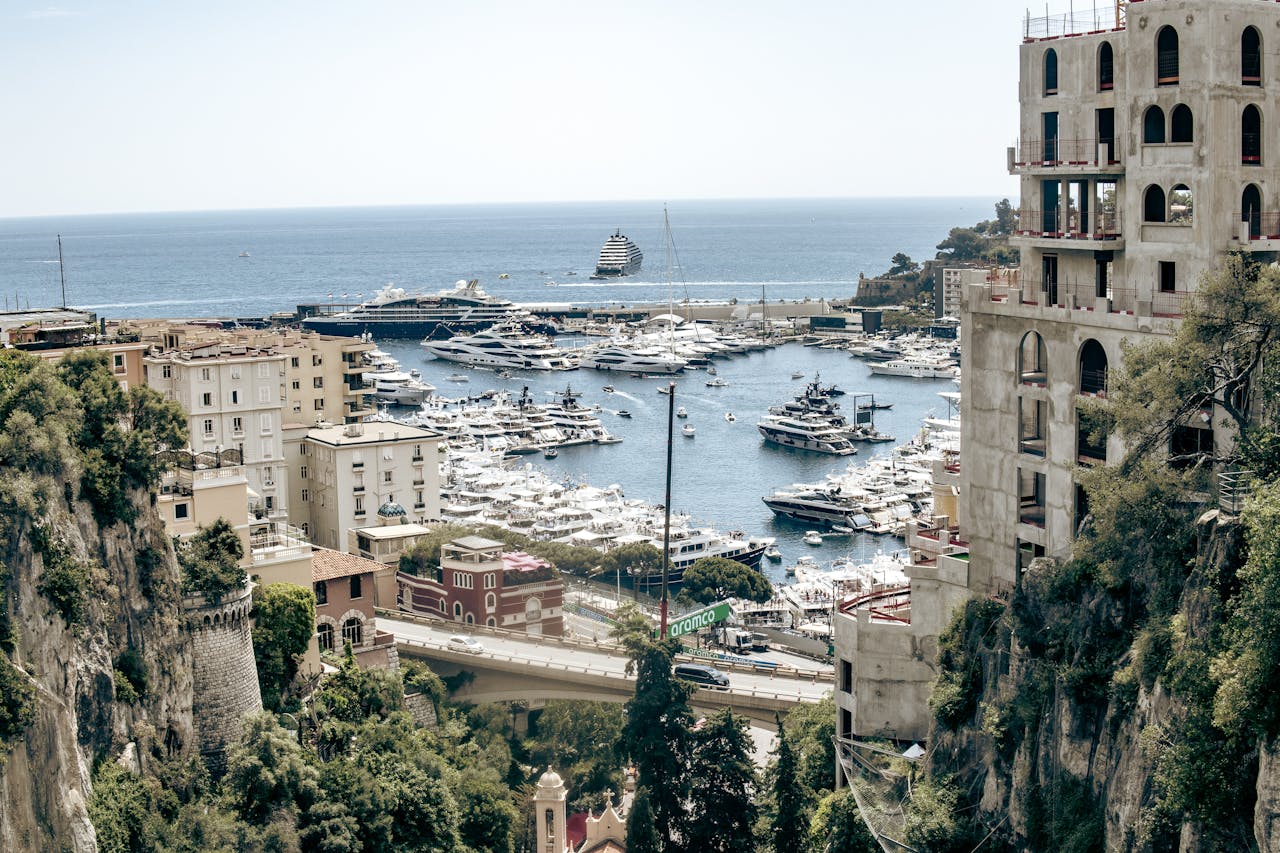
607,647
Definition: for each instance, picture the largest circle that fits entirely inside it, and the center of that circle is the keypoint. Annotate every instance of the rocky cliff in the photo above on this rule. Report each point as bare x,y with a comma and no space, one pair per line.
97,626
1080,734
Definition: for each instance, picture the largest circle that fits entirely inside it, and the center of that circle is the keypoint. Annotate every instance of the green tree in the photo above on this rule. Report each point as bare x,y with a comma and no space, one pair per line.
963,244
902,263
210,561
634,560
488,816
722,810
788,821
267,774
811,731
838,828
284,622
1006,219
17,704
633,631
656,736
642,832
423,559
717,578
120,810
579,738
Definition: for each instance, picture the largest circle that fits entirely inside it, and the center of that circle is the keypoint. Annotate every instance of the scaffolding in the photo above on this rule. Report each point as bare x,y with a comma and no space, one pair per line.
1074,22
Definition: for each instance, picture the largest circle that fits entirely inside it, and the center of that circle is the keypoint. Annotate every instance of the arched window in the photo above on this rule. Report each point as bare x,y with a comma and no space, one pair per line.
1250,57
1153,126
1093,368
491,622
1251,136
457,610
1051,72
1153,209
533,610
324,637
1167,57
353,631
1032,359
1180,124
490,602
1251,210
1106,67
1181,205
471,619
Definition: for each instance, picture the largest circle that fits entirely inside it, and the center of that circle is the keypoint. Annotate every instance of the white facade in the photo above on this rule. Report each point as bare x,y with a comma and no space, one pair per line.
233,397
343,474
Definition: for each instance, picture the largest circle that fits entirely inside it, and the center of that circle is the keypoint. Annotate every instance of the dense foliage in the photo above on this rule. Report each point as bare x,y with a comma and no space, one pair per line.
284,620
210,561
712,579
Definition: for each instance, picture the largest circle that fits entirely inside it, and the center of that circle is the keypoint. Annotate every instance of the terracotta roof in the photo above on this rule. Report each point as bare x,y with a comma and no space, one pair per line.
327,564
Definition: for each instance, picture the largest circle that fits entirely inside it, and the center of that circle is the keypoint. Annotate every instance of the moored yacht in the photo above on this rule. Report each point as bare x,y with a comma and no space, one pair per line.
398,388
916,366
813,433
642,360
395,313
504,346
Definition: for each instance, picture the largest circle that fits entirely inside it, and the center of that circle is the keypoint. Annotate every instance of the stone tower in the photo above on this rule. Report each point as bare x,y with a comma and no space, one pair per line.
549,809
225,677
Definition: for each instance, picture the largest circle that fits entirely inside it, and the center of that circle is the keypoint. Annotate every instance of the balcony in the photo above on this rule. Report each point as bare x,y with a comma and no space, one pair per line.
278,541
1091,155
1077,22
1050,229
1258,231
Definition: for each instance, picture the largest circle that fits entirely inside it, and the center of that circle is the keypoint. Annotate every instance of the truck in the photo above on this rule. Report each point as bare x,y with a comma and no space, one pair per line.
733,639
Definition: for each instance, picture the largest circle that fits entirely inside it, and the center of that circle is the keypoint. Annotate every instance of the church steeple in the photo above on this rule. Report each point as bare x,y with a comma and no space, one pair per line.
549,808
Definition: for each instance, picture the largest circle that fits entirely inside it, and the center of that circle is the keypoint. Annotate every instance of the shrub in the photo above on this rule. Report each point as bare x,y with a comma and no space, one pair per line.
17,703
65,580
131,667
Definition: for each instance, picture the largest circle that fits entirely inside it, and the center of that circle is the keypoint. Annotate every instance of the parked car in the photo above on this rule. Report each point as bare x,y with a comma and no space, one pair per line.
470,645
704,676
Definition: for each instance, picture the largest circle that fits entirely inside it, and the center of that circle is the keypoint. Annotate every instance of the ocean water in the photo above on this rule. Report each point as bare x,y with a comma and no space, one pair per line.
188,264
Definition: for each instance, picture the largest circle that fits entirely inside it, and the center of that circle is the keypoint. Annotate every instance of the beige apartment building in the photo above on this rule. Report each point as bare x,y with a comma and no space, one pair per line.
347,473
232,395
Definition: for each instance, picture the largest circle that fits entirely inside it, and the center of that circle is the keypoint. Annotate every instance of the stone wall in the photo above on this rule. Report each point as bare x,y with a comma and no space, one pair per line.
226,678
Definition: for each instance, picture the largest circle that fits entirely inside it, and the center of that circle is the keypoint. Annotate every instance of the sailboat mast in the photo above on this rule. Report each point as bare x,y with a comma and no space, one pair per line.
62,270
666,515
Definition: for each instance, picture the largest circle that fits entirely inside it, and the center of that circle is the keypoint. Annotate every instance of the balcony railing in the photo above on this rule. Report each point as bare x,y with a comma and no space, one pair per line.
1056,151
1053,224
1261,224
1169,303
1077,22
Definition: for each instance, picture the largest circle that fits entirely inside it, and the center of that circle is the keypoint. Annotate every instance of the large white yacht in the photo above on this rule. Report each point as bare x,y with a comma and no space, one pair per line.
916,366
508,345
395,313
578,424
398,388
618,257
632,360
810,432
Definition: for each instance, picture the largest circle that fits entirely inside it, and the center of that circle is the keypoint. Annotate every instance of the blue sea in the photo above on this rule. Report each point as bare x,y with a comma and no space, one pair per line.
188,265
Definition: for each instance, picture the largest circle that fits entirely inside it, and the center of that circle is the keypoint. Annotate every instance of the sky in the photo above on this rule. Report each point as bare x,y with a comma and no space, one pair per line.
144,106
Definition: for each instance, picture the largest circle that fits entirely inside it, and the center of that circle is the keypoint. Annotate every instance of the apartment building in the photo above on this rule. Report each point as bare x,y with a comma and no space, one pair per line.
345,474
1144,156
233,396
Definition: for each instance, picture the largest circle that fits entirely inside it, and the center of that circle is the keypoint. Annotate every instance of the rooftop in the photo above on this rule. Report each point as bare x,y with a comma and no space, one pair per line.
342,435
1076,22
327,564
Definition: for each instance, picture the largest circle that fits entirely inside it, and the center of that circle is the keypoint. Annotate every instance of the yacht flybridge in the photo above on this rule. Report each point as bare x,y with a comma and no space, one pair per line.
633,360
806,432
504,346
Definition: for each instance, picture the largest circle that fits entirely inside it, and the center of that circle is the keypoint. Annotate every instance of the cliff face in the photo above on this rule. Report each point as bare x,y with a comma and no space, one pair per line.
127,579
1089,755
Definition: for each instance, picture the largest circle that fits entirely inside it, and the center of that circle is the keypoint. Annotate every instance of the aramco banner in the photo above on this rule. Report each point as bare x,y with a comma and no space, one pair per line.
699,619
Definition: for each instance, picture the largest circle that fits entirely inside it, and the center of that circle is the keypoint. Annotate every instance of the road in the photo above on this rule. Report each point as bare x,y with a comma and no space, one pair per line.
548,653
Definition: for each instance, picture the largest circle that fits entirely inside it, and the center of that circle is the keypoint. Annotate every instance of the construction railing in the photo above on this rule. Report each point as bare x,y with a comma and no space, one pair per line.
1054,224
1058,151
1076,22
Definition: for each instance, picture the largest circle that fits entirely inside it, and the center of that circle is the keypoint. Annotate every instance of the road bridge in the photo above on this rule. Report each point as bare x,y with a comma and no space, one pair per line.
517,668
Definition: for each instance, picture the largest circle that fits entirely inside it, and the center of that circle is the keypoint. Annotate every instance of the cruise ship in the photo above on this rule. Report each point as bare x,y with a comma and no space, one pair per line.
814,433
504,346
618,257
395,313
641,360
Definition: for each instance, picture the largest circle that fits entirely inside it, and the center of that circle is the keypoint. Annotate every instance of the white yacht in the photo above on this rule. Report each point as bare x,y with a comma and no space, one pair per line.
618,257
579,424
642,360
915,366
505,346
806,433
823,505
395,313
398,388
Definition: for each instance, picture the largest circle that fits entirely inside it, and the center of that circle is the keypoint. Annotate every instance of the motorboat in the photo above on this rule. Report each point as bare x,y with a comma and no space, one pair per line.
664,389
608,389
688,430
813,537
773,554
623,413
717,383
244,254
618,257
457,377
393,312
506,346
798,375
550,453
806,432
635,360
398,388
915,366
728,416
682,412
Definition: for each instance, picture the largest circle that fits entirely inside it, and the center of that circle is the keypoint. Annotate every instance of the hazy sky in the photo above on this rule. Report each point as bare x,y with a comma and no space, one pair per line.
130,106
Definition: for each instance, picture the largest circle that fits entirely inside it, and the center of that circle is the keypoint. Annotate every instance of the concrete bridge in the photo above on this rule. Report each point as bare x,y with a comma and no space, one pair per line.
533,670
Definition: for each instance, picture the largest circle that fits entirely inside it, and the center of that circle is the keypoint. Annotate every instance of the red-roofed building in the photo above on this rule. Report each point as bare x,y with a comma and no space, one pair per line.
344,585
477,584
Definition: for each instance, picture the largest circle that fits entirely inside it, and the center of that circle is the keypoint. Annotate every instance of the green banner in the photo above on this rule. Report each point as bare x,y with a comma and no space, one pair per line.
699,619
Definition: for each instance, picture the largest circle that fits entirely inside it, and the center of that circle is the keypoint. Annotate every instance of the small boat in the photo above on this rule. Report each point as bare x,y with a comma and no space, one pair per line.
772,553
244,254
664,389
550,453
813,537
503,374
728,416
798,375
623,413
711,370
504,275
608,389
688,430
457,377
636,375
681,413
717,383
415,373
841,529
